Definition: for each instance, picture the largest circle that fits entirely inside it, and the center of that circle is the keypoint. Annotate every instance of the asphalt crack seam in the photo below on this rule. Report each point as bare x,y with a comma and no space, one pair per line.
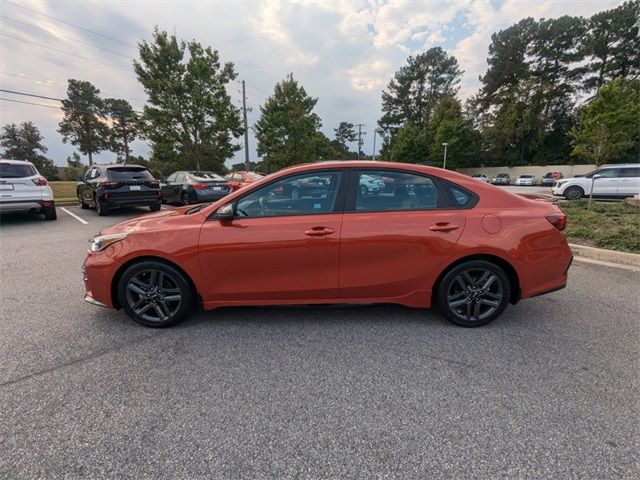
89,357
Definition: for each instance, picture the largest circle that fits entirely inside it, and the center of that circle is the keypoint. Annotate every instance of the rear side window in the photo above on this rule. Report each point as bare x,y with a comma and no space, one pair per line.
385,190
462,198
13,170
124,173
630,172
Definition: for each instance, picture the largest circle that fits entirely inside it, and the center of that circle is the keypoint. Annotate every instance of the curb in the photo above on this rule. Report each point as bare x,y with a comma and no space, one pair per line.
603,255
66,203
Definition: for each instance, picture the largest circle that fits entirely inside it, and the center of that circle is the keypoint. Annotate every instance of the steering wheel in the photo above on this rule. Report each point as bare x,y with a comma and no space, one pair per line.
264,205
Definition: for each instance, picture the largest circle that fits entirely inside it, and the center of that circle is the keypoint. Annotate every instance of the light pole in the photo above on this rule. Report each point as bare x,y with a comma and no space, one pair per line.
593,181
444,164
380,132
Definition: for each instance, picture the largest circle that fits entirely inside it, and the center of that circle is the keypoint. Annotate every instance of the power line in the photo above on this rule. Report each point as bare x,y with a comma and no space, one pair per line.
64,52
65,36
13,92
71,24
30,103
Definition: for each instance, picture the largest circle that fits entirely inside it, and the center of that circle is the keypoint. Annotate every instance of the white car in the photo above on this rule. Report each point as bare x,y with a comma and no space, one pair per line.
615,181
371,184
23,189
526,181
481,176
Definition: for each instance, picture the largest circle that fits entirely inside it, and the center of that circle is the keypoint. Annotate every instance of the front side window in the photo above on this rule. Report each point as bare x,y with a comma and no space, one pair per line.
306,194
380,190
608,173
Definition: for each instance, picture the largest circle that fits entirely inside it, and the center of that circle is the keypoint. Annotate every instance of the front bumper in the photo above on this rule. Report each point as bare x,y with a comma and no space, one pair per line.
89,299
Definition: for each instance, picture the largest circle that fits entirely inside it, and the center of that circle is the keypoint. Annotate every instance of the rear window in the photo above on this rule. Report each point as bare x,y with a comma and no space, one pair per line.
205,176
13,170
254,176
124,173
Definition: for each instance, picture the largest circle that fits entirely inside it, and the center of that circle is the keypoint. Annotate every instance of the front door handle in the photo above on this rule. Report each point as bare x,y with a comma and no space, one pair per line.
443,227
318,231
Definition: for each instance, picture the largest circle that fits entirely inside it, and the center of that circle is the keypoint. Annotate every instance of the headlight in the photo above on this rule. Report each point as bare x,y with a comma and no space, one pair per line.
560,183
100,242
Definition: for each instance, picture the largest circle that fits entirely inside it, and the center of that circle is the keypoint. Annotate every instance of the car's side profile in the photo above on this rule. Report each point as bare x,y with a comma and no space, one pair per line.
115,185
23,189
431,238
187,187
612,181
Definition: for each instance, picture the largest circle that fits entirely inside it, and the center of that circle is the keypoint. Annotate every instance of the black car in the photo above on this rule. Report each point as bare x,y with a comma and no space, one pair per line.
111,186
194,187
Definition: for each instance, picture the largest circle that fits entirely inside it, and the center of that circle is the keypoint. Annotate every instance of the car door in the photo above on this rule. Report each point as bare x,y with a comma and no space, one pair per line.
165,187
87,187
392,244
277,249
629,184
606,184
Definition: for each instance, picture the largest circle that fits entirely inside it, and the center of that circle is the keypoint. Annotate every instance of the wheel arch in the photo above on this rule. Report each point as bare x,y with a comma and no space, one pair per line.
116,278
511,272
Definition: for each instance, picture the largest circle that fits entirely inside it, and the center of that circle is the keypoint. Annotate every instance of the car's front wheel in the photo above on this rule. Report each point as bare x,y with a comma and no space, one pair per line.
573,193
474,293
155,294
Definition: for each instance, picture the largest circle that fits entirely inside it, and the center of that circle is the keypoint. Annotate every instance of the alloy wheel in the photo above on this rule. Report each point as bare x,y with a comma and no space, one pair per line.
154,295
475,294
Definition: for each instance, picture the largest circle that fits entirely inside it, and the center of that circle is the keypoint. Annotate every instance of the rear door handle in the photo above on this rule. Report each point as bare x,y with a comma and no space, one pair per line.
318,231
443,227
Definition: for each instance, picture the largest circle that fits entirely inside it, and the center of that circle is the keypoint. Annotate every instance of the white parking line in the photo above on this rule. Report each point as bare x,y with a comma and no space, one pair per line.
84,222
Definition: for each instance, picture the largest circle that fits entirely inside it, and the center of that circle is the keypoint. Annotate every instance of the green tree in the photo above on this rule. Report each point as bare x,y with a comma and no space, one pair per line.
608,126
448,125
24,142
410,144
124,127
417,86
75,167
190,115
344,134
613,45
83,124
287,131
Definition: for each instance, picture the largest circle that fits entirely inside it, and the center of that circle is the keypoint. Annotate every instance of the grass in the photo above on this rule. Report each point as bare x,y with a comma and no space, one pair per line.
63,191
615,226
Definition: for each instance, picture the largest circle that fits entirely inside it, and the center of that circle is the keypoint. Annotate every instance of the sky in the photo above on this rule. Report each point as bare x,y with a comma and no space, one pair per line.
343,52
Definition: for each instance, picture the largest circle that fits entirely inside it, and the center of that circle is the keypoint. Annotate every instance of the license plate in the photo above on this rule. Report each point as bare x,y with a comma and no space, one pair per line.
134,187
6,186
217,189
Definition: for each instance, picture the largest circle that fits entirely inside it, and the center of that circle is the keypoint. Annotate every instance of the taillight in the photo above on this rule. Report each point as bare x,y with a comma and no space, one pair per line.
558,220
153,183
108,184
40,181
199,186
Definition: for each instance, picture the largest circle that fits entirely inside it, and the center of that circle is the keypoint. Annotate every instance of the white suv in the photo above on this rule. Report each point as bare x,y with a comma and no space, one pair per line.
612,181
23,189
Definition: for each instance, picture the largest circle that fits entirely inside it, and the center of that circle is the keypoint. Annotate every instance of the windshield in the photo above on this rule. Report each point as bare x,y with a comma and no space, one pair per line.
590,174
129,173
502,175
13,170
526,176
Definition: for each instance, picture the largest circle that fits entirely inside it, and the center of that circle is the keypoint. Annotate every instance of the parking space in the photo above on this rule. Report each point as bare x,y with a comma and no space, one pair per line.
549,390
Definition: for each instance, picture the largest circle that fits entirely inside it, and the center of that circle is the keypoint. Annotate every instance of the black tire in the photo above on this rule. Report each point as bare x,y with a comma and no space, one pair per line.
101,208
50,212
186,199
573,193
162,200
464,297
83,205
155,208
144,294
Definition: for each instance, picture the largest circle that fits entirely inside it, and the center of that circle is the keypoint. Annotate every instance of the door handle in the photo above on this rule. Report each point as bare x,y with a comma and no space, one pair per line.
443,227
318,231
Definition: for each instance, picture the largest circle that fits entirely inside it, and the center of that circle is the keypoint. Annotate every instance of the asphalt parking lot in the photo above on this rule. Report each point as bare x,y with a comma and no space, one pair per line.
549,390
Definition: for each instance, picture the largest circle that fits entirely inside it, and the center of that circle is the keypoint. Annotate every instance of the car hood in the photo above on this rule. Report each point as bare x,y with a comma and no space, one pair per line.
157,221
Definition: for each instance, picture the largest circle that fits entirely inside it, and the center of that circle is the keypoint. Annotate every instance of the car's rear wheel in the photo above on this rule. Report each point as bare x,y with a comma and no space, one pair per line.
474,293
186,198
155,208
101,208
83,205
155,294
50,212
573,193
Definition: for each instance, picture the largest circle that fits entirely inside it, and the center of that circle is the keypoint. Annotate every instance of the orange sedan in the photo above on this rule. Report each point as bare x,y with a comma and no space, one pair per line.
238,180
431,237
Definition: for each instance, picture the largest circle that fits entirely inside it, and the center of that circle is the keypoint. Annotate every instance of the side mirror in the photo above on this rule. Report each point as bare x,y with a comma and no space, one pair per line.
595,177
226,212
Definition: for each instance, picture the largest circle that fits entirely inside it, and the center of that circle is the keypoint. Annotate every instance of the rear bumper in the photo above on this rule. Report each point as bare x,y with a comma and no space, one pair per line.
114,200
24,205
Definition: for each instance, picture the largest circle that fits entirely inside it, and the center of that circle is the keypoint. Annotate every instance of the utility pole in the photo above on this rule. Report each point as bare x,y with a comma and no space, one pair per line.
360,141
246,129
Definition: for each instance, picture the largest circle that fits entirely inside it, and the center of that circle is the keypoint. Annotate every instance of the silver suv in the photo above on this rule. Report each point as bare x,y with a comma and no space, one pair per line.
23,189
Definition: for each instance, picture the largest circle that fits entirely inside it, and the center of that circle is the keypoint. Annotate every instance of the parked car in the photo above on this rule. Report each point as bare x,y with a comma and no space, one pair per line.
23,189
111,186
193,187
371,185
439,238
526,181
501,179
550,178
242,179
481,176
612,181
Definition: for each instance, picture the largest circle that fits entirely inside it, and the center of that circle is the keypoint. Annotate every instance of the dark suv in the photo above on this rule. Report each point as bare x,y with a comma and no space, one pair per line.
112,186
